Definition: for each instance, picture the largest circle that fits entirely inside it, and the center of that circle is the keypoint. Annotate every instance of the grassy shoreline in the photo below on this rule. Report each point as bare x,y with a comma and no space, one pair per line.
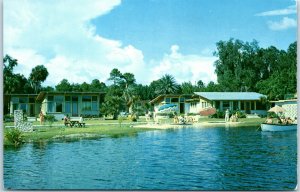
97,129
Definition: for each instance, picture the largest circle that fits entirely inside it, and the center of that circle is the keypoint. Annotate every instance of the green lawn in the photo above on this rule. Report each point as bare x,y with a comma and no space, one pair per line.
59,132
66,133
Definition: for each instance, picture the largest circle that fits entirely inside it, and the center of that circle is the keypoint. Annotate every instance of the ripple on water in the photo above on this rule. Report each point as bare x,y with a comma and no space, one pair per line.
183,159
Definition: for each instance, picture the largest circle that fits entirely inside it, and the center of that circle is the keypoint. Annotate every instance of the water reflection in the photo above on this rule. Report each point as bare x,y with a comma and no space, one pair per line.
183,159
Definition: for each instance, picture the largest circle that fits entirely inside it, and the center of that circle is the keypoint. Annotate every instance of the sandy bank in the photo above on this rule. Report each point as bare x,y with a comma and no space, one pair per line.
202,124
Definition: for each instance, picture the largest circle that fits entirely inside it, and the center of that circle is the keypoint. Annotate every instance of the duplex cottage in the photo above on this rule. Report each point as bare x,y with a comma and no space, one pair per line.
58,104
248,102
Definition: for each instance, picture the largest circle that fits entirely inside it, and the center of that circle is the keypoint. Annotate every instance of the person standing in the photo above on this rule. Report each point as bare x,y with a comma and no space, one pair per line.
42,117
227,115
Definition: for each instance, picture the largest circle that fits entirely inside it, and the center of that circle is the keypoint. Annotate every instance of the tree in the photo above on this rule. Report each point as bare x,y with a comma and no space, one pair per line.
85,87
115,76
64,86
167,85
38,75
235,68
200,85
283,77
97,86
187,88
13,83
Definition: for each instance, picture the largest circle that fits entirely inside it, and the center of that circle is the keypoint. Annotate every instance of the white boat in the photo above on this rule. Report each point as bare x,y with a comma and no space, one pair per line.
278,127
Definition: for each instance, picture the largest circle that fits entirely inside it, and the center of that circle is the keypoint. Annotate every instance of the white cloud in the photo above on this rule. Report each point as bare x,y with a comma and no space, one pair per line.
185,67
59,35
287,11
283,24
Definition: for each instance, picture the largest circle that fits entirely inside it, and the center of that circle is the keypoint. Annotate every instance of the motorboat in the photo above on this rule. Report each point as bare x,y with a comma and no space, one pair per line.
278,127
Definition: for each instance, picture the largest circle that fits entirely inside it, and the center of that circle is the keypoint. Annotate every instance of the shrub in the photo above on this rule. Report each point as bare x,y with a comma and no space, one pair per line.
218,114
240,114
15,136
120,120
8,118
272,115
50,119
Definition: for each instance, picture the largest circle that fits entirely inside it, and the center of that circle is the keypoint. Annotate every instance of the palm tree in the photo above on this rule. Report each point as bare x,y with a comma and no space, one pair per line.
166,85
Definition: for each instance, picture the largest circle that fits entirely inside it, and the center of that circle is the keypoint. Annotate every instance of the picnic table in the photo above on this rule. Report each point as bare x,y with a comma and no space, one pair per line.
75,121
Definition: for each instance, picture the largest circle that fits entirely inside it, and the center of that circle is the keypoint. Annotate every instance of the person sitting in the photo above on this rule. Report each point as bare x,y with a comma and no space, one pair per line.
66,120
289,120
233,118
269,120
176,120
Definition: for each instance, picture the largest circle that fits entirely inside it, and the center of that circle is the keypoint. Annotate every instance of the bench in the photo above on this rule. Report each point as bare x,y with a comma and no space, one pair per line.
31,119
75,121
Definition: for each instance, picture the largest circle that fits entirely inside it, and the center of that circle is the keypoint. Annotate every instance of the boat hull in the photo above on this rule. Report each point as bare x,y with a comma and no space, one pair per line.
276,127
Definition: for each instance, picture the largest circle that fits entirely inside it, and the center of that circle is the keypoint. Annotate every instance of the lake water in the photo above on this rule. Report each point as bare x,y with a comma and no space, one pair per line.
182,159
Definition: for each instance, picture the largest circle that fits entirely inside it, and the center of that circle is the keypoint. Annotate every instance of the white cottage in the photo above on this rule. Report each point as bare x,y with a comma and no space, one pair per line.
248,102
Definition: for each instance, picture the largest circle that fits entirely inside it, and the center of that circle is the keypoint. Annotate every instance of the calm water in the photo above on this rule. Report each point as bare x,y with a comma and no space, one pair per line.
183,159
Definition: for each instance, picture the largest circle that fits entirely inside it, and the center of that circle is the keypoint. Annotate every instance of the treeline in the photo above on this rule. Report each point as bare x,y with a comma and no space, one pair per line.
241,66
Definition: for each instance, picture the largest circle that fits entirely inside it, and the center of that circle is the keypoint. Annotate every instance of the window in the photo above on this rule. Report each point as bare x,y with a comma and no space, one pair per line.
167,100
242,105
31,111
50,107
86,106
226,105
94,98
58,98
252,105
181,100
67,98
193,104
203,104
23,107
174,100
23,100
94,106
15,106
68,107
15,100
217,104
87,102
58,107
86,98
260,106
235,105
31,100
50,98
75,98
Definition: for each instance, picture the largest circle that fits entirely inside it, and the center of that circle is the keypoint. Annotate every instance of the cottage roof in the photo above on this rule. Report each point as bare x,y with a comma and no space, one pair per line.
169,95
42,94
230,95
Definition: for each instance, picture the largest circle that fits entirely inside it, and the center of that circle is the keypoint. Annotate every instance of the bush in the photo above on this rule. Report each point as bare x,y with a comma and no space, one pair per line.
8,118
15,136
120,120
50,119
132,118
272,115
240,114
218,114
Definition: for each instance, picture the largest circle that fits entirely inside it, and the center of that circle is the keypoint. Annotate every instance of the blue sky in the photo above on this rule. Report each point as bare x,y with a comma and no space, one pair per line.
195,25
85,39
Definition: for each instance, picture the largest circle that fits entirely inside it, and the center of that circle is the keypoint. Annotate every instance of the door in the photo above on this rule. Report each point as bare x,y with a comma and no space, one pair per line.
248,107
181,109
75,106
74,109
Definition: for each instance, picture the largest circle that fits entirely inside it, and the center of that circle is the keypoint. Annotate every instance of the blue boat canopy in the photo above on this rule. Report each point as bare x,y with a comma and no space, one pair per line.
166,106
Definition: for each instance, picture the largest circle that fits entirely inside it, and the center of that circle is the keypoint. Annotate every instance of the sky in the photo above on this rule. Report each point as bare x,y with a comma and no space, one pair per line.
84,40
